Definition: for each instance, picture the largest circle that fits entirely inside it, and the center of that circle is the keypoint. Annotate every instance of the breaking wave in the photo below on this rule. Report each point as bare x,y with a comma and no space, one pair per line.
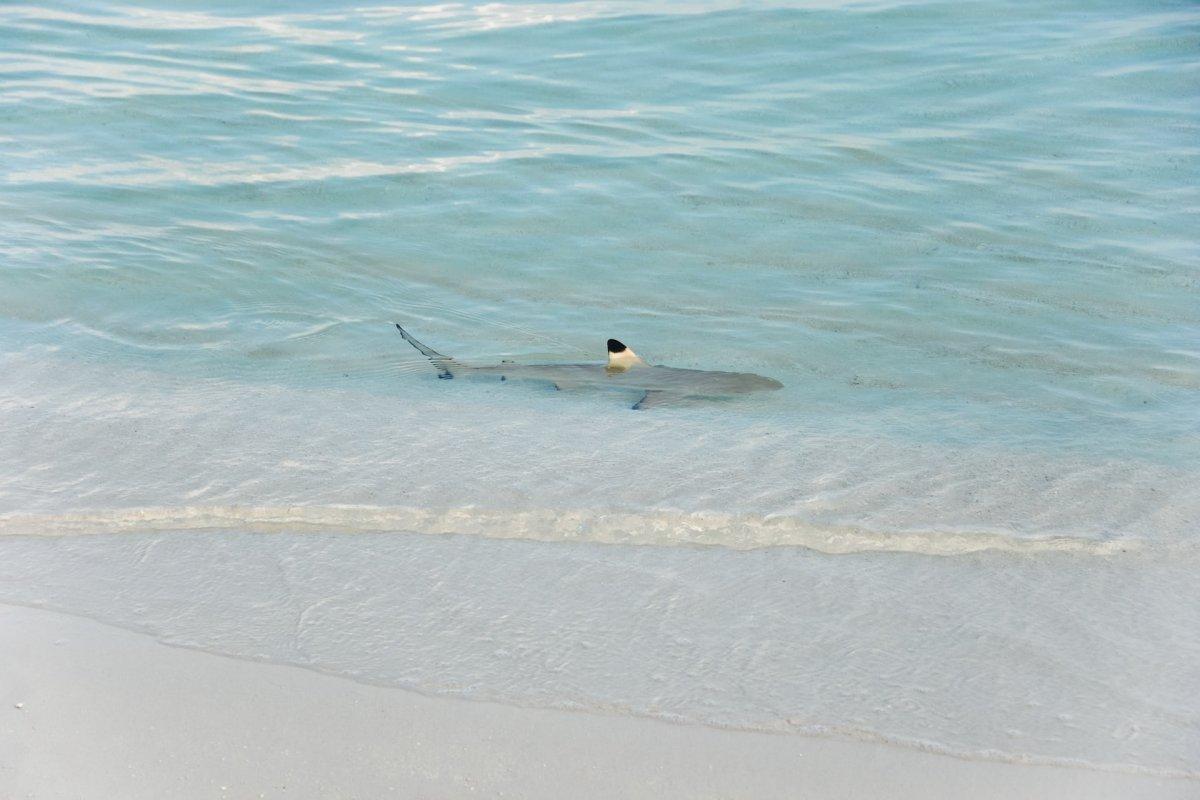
656,528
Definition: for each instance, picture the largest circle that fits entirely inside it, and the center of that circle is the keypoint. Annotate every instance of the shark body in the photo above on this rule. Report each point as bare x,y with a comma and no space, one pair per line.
624,370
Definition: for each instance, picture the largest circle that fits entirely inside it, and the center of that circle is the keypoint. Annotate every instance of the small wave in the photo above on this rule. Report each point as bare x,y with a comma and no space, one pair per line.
158,171
656,528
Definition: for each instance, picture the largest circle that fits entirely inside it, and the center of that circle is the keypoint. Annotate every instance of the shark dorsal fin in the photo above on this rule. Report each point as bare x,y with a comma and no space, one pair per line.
621,357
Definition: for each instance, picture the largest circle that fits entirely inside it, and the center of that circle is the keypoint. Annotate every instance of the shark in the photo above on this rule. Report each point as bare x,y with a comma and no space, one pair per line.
655,385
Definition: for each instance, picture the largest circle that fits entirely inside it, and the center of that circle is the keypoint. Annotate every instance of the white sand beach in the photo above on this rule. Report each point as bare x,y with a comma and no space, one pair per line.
92,711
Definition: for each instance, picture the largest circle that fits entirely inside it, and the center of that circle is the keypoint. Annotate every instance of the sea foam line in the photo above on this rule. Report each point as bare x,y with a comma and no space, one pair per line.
661,528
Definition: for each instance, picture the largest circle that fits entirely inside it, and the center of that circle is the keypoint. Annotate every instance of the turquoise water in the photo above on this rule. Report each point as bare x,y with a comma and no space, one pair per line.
963,235
965,219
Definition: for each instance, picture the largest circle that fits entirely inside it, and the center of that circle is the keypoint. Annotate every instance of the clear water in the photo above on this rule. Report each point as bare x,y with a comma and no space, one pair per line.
963,235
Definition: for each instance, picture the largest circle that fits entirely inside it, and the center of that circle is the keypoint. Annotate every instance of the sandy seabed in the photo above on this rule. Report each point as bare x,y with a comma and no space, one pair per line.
92,711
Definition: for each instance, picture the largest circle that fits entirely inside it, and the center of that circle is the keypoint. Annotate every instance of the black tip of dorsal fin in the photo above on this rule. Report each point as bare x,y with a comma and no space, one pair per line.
615,347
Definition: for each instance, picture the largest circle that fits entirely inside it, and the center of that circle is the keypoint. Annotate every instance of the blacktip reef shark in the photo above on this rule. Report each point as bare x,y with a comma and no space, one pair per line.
624,370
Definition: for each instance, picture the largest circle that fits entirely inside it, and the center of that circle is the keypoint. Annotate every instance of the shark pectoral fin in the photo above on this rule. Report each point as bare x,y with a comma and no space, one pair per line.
565,386
654,398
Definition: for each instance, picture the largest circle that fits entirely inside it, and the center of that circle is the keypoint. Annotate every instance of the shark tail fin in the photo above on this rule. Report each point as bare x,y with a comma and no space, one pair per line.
444,364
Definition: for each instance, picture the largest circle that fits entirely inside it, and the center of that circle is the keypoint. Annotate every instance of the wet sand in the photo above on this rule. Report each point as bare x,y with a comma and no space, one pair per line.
92,711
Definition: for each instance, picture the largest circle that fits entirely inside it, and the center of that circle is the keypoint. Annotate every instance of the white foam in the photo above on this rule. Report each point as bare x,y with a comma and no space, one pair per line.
663,528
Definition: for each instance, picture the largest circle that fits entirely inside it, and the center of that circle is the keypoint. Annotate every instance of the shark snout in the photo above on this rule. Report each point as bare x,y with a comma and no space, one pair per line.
747,382
761,383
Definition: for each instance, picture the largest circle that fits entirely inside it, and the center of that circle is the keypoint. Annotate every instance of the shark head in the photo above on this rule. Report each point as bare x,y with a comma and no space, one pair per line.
620,357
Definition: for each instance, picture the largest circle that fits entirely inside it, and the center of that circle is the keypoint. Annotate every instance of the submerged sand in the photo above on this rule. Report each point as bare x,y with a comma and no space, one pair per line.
92,711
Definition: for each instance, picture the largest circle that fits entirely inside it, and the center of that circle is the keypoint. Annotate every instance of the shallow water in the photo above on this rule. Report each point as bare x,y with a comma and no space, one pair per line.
962,236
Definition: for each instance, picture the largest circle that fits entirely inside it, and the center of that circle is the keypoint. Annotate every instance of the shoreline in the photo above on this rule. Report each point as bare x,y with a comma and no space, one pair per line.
818,732
137,718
